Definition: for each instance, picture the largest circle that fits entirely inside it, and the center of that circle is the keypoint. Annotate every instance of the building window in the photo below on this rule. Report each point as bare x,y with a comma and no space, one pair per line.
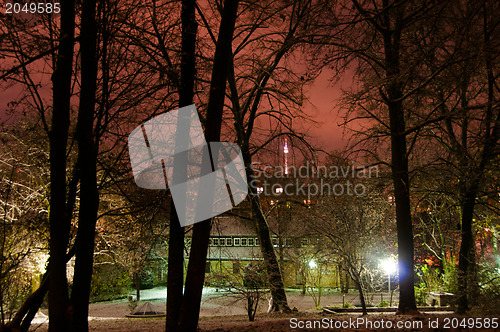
210,242
236,267
207,267
244,242
275,241
236,242
250,242
260,190
279,190
256,242
216,242
229,242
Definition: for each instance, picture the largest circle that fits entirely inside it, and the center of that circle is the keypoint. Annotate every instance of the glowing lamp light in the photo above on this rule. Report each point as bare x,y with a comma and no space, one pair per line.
312,264
389,266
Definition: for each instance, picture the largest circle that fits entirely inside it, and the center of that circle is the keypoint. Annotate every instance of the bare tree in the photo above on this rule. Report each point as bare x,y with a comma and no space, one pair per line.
270,91
87,156
384,54
23,211
470,132
354,231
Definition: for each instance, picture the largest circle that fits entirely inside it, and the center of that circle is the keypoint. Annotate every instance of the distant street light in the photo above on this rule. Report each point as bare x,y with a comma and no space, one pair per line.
389,266
312,264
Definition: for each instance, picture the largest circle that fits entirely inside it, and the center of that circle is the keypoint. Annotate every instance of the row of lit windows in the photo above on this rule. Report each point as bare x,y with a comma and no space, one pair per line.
254,242
233,242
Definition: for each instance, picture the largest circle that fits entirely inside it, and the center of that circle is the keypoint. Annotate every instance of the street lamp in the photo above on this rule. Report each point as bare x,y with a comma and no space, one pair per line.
312,264
389,266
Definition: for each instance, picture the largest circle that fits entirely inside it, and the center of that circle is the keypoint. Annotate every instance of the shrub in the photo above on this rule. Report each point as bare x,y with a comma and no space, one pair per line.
383,304
108,281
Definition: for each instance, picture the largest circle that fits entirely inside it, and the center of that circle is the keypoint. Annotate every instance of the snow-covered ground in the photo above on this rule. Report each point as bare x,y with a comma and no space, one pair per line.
215,302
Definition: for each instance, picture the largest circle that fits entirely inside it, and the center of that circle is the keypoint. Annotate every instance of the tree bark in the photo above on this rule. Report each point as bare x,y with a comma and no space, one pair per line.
175,277
87,150
58,136
399,156
190,309
466,254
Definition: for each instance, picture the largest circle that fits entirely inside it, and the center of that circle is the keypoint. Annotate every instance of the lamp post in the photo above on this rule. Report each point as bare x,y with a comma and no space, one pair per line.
389,266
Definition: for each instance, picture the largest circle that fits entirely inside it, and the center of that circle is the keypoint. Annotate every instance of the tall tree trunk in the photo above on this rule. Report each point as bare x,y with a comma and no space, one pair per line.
399,155
466,254
469,191
176,235
175,276
403,214
58,136
87,150
195,277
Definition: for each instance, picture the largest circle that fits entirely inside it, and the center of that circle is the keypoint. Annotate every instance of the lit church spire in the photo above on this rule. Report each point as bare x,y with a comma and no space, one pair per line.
285,150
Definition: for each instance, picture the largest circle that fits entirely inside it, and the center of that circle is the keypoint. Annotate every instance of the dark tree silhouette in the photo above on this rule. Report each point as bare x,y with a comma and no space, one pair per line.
381,39
176,234
470,132
87,156
271,90
58,135
191,300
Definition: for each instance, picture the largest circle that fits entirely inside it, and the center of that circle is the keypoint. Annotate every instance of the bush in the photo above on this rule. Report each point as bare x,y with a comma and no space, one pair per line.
489,293
383,304
421,294
15,287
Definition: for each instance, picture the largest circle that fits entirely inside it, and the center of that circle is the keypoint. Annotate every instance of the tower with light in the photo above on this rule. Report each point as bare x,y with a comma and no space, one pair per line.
285,151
